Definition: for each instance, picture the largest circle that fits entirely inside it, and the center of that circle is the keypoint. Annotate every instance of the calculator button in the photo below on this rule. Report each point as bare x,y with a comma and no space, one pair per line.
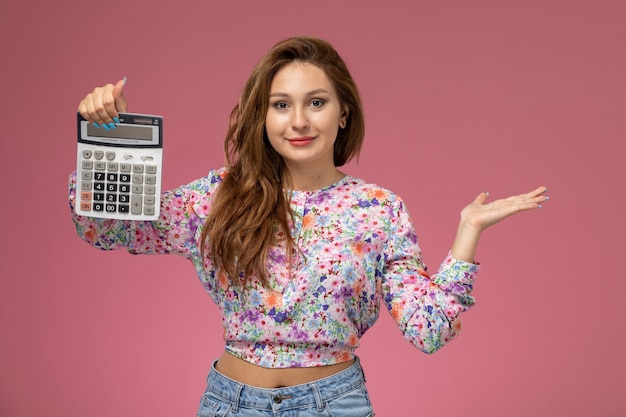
118,183
135,204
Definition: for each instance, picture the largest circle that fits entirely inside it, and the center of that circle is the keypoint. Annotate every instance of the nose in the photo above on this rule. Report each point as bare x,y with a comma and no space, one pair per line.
299,119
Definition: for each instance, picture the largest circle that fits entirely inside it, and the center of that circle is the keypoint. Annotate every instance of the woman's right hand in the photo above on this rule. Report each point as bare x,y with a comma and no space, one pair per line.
103,105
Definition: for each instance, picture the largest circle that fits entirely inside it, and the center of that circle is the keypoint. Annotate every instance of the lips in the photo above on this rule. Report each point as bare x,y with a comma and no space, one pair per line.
301,141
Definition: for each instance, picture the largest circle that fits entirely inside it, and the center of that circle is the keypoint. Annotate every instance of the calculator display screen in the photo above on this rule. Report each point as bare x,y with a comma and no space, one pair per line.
136,131
122,132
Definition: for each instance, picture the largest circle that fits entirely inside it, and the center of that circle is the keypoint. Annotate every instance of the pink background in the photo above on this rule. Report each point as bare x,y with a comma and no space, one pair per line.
460,97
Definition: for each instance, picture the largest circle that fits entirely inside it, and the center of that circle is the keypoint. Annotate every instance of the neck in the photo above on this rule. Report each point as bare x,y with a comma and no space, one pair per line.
310,179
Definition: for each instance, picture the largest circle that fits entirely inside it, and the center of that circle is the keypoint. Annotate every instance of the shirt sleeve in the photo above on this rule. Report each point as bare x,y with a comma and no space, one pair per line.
182,214
425,308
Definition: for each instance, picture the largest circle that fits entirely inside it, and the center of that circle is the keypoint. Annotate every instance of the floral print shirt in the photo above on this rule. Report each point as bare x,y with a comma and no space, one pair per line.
357,251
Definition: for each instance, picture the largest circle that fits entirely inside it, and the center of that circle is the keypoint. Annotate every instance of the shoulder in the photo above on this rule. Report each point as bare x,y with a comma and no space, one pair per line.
371,193
208,182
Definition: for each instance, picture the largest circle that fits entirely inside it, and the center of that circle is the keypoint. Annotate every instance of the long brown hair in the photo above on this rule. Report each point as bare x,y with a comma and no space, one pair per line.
250,210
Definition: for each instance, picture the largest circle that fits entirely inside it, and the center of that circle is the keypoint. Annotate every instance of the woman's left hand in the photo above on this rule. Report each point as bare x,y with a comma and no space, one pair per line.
480,215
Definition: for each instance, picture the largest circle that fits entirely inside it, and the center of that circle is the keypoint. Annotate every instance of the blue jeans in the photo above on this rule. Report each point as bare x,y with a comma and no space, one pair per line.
340,395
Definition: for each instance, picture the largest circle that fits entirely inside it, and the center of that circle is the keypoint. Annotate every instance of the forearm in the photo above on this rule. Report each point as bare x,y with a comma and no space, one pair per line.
465,243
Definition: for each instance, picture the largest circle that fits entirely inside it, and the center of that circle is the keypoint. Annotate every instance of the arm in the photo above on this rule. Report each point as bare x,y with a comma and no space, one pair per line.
181,216
425,308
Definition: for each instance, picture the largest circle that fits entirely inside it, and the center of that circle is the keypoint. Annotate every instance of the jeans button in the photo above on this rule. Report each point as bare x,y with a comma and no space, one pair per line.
278,399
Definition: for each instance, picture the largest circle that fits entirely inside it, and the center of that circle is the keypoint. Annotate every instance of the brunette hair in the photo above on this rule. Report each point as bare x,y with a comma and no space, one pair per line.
250,211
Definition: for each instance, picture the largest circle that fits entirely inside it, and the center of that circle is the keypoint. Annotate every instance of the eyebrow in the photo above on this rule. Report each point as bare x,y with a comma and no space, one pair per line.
310,93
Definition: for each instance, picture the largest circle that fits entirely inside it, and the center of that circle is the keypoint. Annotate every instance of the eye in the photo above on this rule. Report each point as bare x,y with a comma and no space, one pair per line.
317,102
280,105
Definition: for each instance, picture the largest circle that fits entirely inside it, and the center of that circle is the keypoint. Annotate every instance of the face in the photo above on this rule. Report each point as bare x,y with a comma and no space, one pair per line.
303,117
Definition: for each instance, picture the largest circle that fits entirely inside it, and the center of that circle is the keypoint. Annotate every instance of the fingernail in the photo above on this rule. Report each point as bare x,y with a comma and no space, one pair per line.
105,126
547,198
96,125
116,119
111,125
124,80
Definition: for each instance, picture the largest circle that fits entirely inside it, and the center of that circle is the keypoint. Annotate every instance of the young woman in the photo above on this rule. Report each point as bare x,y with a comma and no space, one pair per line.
298,255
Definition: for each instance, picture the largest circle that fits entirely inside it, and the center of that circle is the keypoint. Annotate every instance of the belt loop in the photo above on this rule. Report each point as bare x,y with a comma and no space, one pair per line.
318,396
235,407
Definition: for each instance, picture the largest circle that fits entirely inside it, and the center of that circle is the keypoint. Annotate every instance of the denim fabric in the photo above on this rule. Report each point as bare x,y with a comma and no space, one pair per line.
340,395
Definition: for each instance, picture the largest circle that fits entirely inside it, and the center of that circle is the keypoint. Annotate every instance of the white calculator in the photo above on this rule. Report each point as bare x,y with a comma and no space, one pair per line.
118,173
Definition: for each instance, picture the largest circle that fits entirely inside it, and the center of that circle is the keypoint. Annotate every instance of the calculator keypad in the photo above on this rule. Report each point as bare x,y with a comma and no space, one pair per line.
110,186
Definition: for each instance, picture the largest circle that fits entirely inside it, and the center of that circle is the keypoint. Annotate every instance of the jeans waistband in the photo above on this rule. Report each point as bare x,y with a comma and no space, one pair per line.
312,393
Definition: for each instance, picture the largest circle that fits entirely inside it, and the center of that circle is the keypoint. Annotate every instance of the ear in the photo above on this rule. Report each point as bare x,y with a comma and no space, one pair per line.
343,120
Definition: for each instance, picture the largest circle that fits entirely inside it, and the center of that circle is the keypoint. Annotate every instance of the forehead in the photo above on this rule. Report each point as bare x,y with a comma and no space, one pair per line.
300,77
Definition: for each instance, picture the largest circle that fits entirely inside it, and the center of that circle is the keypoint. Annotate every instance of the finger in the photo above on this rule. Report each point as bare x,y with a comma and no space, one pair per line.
538,191
92,107
87,108
526,201
105,105
118,95
481,198
537,196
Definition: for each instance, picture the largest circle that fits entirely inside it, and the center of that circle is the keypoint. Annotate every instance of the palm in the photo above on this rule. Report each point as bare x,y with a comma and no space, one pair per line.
480,215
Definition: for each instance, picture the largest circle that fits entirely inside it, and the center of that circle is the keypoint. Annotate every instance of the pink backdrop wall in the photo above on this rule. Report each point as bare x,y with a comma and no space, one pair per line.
460,97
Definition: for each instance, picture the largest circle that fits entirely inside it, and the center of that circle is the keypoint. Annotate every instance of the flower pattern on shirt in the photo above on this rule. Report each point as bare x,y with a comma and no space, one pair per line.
356,250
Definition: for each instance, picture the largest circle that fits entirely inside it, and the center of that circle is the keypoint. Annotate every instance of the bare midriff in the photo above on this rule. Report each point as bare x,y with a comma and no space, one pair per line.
257,376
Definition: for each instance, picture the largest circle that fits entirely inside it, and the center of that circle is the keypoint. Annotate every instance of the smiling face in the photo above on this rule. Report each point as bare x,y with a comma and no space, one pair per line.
303,118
